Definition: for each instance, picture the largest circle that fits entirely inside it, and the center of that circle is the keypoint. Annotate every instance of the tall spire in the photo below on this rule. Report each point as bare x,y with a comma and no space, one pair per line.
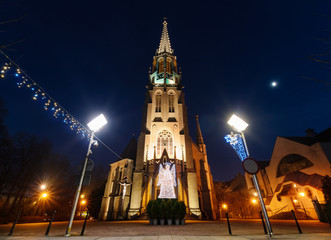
199,139
165,41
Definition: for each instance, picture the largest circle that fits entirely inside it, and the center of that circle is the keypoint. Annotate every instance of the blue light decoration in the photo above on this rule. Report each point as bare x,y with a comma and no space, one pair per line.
10,70
237,143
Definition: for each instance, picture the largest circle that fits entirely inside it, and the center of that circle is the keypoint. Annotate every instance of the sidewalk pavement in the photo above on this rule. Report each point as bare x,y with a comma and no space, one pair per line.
192,230
320,236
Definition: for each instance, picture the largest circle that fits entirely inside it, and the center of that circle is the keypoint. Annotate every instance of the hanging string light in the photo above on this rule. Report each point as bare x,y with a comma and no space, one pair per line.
10,70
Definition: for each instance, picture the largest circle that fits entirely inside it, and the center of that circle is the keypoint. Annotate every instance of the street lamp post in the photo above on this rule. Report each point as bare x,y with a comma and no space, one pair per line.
95,125
240,125
225,207
42,196
302,194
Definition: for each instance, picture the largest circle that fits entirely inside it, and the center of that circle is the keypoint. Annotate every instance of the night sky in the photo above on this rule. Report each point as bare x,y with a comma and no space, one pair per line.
93,57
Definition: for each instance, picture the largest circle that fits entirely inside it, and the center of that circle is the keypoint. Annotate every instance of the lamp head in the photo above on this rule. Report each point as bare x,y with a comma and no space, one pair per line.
237,123
97,123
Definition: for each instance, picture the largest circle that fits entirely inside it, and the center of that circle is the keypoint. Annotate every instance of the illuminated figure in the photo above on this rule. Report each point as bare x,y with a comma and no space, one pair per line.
167,180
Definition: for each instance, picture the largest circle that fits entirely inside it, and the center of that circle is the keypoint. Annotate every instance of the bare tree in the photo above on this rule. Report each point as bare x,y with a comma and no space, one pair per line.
323,59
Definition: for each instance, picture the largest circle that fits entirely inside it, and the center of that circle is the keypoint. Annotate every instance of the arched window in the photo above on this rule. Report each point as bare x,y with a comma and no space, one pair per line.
165,141
171,102
292,163
168,66
154,64
161,65
158,102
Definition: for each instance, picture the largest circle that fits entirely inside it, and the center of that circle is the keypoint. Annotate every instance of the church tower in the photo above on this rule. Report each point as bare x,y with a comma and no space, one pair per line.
165,153
164,134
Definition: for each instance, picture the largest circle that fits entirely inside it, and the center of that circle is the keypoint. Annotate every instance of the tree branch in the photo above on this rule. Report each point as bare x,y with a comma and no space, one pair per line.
317,80
13,20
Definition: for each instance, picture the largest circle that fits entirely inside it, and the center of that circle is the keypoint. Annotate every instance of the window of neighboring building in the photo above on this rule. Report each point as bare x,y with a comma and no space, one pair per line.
165,141
171,102
158,102
161,65
292,163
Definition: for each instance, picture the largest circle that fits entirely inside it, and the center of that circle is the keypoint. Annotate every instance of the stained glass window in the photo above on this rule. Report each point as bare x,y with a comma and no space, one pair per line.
168,65
165,141
161,65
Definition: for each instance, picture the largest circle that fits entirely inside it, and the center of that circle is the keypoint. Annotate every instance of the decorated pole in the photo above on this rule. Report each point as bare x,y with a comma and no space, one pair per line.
238,142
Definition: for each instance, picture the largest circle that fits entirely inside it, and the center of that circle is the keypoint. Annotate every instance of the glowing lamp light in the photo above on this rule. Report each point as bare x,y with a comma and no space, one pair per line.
44,195
224,206
83,202
295,201
302,194
237,123
82,196
255,194
97,123
43,186
254,201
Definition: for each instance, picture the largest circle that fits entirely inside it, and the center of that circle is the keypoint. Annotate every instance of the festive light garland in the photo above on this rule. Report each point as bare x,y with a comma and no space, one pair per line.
13,71
236,142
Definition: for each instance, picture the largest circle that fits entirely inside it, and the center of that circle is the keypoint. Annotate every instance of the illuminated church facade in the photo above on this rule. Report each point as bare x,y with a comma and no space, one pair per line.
164,140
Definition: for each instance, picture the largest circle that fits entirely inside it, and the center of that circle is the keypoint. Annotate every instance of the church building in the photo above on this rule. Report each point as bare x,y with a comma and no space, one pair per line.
165,154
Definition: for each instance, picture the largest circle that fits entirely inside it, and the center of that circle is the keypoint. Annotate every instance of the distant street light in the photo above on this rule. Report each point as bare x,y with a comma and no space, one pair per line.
238,142
95,125
43,186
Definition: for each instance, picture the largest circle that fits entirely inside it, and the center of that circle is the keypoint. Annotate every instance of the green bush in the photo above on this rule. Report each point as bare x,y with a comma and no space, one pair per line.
182,210
163,210
149,208
154,213
176,210
169,209
166,209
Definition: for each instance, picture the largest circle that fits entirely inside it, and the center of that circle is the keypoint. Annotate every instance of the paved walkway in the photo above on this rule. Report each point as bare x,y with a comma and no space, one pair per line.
192,230
320,236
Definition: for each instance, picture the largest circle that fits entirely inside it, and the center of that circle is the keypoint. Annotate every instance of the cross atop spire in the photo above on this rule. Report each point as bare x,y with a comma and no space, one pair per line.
165,41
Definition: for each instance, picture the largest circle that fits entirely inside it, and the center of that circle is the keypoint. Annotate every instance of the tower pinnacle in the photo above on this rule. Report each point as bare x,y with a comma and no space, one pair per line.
165,41
199,139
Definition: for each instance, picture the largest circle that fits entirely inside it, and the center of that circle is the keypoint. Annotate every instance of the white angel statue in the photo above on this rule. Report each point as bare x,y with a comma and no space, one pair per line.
167,180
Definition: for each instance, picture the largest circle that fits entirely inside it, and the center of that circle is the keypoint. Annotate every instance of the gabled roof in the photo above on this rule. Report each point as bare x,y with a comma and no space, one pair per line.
303,140
324,136
131,150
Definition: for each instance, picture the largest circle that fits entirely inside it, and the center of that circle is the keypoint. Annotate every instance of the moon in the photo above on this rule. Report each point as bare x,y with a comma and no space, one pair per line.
274,84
